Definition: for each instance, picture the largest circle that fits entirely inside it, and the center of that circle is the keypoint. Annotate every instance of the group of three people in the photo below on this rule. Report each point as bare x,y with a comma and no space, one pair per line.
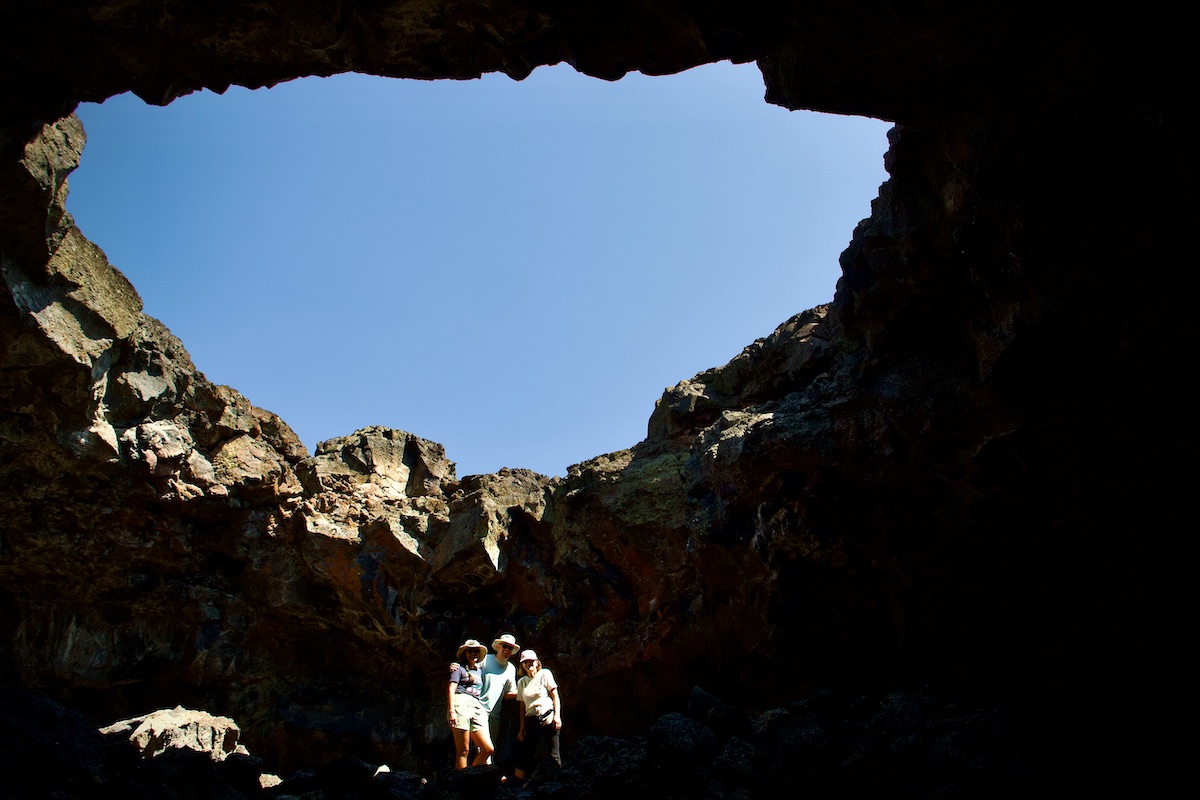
479,681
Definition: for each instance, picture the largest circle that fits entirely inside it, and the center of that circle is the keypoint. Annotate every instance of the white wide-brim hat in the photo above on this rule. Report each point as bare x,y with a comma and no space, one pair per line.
472,644
504,638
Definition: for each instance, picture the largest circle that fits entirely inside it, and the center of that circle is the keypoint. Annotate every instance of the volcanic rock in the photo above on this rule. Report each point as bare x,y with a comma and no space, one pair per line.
180,728
967,471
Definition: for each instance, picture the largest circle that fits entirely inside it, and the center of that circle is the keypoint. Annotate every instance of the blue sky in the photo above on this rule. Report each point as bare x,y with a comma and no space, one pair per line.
513,269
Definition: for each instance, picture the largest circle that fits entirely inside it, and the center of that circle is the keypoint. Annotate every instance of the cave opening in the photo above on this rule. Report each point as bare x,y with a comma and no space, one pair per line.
513,269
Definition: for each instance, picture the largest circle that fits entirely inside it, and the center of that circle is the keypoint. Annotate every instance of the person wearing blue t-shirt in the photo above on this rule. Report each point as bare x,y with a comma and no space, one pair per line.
500,685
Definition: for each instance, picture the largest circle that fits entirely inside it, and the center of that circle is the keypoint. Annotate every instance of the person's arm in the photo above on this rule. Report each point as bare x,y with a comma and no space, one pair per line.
511,692
521,730
450,698
553,688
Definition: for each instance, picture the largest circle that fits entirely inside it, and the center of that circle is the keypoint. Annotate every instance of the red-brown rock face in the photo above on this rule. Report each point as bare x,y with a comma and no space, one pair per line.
965,471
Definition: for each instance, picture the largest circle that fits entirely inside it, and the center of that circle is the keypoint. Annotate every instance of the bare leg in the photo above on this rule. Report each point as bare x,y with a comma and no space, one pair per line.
483,740
462,747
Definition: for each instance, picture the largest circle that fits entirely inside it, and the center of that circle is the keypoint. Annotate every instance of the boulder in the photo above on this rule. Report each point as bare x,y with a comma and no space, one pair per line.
180,728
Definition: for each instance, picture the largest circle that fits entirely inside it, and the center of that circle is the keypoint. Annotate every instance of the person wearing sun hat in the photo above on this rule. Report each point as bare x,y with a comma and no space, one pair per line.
500,684
467,716
541,712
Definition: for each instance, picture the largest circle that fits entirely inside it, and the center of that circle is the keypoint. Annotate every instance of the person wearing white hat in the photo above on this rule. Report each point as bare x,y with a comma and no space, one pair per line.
467,716
541,712
500,684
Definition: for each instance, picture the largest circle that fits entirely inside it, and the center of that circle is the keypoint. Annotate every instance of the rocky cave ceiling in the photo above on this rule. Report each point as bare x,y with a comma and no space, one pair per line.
967,471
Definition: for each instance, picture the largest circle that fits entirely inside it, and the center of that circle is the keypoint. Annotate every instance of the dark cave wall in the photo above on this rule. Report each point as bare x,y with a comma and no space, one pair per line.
966,471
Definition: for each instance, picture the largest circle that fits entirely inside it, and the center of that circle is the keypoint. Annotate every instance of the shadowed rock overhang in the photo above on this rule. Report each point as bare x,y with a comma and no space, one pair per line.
966,470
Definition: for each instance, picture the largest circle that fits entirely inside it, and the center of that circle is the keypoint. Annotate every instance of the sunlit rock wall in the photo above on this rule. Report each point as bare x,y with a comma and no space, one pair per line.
966,470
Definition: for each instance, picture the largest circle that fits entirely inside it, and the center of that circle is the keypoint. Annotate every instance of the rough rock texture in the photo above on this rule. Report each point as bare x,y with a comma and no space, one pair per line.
179,728
901,744
967,471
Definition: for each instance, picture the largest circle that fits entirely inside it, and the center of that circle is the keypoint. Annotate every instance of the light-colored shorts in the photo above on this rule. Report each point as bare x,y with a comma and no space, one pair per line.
469,713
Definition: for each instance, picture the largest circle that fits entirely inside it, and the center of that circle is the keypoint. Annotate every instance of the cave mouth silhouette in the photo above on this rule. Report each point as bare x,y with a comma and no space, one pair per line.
513,269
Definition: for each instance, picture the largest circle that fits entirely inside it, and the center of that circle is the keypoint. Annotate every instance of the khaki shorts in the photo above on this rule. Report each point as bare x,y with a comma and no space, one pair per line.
469,713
